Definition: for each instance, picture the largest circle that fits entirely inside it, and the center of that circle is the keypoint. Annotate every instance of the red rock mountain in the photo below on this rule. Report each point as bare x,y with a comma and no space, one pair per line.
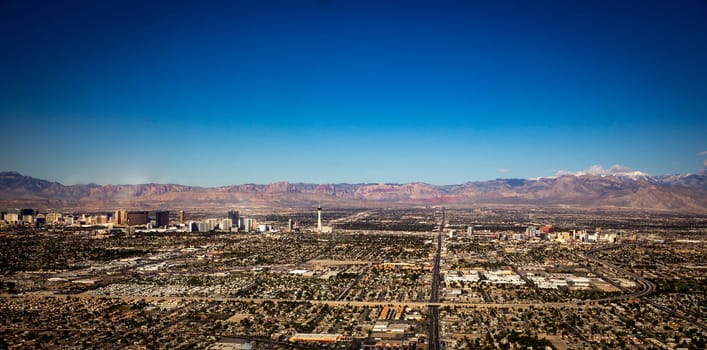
683,193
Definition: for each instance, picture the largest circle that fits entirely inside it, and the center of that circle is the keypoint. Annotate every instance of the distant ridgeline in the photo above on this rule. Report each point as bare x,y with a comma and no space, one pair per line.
677,193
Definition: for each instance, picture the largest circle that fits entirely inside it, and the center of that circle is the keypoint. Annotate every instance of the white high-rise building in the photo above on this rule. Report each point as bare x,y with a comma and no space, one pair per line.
53,217
226,224
12,218
248,224
212,223
203,226
319,218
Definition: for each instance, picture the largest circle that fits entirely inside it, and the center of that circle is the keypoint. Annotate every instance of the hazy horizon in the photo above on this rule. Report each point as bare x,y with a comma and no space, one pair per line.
593,170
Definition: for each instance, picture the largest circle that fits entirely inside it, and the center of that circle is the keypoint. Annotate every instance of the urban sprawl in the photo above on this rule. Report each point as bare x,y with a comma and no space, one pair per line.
383,278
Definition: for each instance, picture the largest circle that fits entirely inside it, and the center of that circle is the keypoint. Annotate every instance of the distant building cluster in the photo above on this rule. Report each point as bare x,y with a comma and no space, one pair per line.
548,233
158,221
131,221
233,222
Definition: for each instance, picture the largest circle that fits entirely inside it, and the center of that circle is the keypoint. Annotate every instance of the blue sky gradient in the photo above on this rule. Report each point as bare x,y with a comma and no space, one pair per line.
227,92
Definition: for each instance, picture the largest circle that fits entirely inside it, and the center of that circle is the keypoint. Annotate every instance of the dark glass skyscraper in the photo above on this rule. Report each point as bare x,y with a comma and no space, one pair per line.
162,219
233,215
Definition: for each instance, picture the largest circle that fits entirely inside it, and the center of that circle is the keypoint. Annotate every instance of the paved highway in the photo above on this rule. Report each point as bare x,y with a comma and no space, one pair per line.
433,307
647,287
413,304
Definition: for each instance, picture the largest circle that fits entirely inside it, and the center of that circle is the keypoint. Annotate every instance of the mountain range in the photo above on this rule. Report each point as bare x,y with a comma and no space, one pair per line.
615,189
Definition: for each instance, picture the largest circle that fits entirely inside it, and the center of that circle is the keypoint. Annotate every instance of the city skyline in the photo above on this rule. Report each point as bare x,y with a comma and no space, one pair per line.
350,92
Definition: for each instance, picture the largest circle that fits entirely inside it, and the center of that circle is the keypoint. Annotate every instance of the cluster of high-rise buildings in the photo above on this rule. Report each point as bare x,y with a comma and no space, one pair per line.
233,222
548,232
34,218
142,219
23,217
136,218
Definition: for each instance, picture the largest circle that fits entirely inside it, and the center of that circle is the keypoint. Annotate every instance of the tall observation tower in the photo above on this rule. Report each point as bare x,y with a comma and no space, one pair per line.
319,218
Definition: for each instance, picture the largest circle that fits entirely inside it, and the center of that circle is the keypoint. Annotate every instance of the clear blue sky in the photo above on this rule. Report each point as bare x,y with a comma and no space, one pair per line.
226,92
